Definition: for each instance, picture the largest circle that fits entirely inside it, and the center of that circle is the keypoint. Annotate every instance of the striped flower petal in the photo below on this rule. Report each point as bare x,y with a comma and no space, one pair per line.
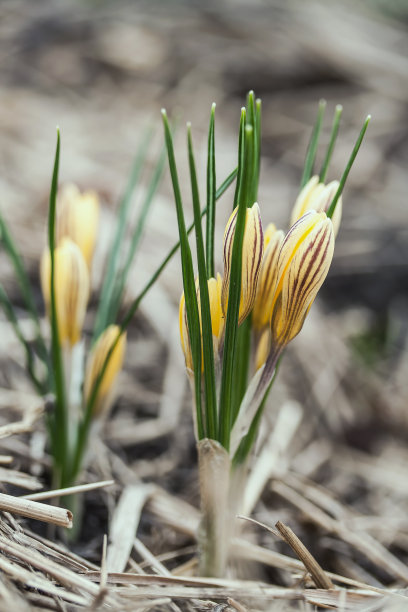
303,263
262,311
252,250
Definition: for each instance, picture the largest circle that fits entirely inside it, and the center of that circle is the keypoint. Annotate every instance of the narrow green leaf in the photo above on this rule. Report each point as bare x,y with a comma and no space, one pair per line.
207,339
241,144
250,108
136,237
312,148
231,326
61,429
332,142
11,316
25,286
211,197
242,359
190,294
108,287
83,431
258,142
350,162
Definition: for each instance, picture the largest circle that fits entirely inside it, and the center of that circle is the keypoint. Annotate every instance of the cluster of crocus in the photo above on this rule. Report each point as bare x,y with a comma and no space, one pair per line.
76,232
280,278
235,327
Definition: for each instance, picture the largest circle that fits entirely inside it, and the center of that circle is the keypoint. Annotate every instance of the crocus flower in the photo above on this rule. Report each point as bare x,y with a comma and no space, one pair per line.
96,360
77,219
262,311
252,250
317,196
71,282
304,260
217,319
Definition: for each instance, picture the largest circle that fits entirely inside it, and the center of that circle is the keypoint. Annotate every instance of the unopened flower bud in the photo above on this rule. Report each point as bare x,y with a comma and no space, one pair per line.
262,311
217,319
96,360
77,219
304,260
71,283
317,196
252,250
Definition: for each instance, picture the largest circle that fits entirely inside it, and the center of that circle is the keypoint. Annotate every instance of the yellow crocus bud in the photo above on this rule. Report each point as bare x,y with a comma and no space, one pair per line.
304,260
262,311
71,282
96,360
217,319
317,196
252,250
77,218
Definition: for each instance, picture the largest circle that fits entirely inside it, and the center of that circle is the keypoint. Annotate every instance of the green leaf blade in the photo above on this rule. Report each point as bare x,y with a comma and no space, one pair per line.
207,339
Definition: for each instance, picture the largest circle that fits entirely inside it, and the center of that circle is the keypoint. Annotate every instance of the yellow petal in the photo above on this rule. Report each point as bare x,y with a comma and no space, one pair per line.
77,219
262,311
317,196
217,319
303,263
95,364
263,348
252,250
71,289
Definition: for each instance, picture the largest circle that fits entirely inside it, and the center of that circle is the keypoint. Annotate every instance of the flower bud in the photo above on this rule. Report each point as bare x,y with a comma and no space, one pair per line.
71,283
252,250
304,260
96,360
317,196
77,218
262,311
217,319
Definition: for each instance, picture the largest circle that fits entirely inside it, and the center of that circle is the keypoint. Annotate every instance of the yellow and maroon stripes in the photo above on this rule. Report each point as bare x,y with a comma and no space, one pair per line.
303,263
252,250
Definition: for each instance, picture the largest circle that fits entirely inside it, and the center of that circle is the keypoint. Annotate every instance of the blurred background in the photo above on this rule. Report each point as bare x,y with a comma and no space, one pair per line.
102,71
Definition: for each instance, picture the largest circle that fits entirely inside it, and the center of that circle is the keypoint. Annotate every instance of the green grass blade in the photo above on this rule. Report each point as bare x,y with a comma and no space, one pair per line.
231,326
242,359
350,162
332,142
108,287
207,339
11,316
60,421
188,280
136,237
24,284
83,431
258,119
136,302
211,198
312,148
